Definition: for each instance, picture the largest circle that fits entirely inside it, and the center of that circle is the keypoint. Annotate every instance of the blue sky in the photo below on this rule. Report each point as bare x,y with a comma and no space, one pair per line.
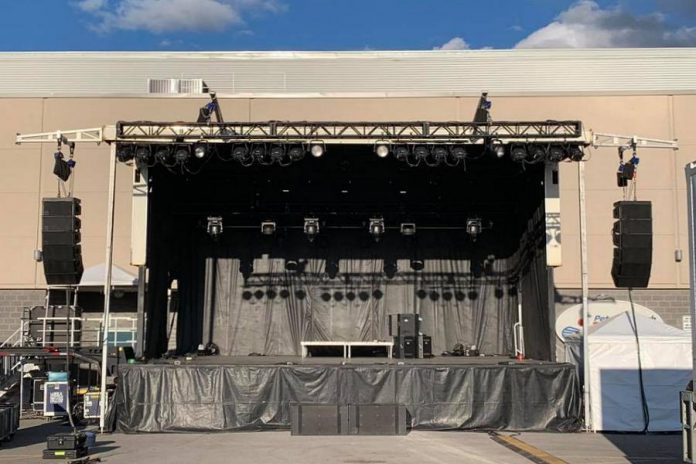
28,25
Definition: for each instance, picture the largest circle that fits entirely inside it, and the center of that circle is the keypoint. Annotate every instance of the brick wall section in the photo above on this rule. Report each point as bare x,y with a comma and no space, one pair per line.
670,304
12,302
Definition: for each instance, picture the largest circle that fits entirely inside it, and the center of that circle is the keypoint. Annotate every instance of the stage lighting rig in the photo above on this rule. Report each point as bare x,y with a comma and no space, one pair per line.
382,150
268,227
124,153
376,228
402,153
240,153
182,153
536,154
474,227
164,156
258,154
439,154
277,155
417,264
555,154
408,229
518,153
214,228
200,151
296,153
317,149
575,153
311,228
421,152
458,152
497,148
143,155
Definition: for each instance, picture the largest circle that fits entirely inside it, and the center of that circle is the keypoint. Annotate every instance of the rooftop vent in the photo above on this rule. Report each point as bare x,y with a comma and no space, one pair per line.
175,86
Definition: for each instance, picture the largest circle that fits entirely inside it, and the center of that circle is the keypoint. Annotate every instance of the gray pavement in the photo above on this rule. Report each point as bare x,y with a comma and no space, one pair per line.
280,447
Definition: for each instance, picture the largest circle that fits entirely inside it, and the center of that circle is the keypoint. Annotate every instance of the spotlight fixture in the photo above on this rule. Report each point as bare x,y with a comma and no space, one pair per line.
268,227
240,153
142,154
291,265
246,267
474,227
458,152
124,153
331,267
497,148
518,153
317,150
417,264
408,229
536,154
390,267
164,155
421,152
376,228
181,154
214,227
556,154
440,154
311,228
382,150
296,153
200,151
258,153
277,153
402,152
575,153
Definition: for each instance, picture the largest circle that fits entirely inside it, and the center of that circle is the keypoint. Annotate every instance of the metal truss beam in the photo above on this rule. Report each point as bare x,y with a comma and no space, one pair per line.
95,135
351,132
631,141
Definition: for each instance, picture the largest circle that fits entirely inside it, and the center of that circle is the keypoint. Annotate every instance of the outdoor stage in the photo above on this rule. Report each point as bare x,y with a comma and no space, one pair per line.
255,392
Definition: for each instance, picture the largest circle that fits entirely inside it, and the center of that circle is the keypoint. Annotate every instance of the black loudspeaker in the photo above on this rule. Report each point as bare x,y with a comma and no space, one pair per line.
319,419
60,239
404,325
378,419
427,347
632,235
405,347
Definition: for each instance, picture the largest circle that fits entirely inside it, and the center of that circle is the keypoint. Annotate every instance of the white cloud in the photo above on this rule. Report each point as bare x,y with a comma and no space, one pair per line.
160,16
456,43
586,25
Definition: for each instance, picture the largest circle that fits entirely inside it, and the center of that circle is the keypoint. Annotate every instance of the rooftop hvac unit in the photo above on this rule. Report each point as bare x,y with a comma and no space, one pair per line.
175,86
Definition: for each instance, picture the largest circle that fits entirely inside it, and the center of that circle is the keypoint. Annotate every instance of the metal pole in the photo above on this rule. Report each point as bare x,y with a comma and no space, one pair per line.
140,327
107,285
585,292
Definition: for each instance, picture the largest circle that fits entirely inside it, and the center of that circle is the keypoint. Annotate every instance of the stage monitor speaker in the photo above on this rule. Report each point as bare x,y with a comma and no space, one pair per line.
378,419
60,241
632,237
405,347
319,419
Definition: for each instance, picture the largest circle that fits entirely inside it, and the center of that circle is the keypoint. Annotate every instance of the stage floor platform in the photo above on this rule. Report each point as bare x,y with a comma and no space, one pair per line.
221,393
333,361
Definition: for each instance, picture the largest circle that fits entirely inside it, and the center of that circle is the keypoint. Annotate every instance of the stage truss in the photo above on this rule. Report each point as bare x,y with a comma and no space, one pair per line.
303,132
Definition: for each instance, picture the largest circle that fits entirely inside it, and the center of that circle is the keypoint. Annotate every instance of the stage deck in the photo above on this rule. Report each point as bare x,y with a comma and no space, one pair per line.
355,361
230,393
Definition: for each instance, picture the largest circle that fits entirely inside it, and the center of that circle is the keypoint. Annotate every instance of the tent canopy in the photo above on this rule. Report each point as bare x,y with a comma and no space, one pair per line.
94,277
621,328
665,363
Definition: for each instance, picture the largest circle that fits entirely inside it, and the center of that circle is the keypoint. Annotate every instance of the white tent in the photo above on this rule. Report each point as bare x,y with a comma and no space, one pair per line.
665,354
94,277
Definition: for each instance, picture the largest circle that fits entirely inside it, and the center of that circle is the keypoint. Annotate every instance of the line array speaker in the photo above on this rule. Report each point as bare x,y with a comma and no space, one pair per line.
60,241
632,235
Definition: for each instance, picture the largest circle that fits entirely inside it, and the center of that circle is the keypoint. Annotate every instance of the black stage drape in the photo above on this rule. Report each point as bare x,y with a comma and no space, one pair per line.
274,310
166,398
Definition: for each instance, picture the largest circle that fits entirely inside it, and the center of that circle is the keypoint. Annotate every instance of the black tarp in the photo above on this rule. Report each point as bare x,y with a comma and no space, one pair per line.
525,397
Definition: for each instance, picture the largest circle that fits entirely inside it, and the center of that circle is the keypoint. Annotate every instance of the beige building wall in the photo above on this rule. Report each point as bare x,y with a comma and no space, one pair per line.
26,174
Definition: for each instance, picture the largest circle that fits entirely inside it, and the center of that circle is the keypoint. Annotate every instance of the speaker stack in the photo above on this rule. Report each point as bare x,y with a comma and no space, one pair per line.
409,342
60,238
632,236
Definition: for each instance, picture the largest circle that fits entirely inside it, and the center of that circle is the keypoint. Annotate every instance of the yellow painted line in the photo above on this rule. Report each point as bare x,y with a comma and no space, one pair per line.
532,453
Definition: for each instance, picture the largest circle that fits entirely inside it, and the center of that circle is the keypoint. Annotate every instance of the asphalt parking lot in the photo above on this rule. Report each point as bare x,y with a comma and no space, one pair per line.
281,447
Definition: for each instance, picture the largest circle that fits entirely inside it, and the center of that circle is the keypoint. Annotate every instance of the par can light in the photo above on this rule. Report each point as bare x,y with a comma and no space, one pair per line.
317,150
382,151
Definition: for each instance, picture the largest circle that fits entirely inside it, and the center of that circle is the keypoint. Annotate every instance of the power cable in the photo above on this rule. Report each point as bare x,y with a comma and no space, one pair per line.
643,398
